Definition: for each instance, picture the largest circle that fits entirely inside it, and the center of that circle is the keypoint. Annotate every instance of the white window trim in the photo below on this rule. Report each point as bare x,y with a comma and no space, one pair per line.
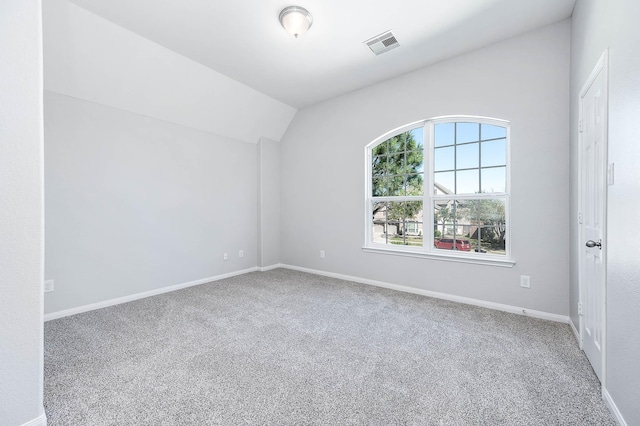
427,251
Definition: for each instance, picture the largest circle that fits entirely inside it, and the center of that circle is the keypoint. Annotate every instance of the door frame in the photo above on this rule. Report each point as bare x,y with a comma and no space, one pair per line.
602,66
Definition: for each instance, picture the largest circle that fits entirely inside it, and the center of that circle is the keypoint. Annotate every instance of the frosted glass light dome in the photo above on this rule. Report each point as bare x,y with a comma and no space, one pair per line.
296,20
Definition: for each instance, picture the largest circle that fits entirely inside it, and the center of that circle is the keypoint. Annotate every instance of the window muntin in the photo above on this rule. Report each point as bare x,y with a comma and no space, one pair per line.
465,161
470,157
397,189
398,223
480,222
397,165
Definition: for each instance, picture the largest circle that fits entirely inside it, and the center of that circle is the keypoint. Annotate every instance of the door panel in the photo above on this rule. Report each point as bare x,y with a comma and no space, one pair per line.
593,103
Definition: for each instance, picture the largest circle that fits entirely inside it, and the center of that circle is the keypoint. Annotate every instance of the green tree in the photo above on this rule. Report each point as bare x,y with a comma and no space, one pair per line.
490,217
397,170
443,215
403,211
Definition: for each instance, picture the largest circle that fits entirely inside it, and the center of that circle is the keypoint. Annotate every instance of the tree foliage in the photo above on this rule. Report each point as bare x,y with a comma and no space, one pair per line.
490,215
485,220
397,170
443,216
397,166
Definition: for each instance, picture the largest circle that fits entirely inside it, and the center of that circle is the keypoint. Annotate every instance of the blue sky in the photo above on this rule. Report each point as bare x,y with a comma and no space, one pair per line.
449,155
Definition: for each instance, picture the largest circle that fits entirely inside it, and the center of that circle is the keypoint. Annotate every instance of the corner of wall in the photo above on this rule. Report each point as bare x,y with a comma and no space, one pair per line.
268,202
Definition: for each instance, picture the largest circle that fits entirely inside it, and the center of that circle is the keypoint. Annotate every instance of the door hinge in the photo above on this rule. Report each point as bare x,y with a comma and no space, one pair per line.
580,312
580,126
580,217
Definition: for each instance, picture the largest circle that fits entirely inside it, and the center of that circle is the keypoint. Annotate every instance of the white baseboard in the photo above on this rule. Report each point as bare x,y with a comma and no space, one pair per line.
119,300
466,300
41,420
270,267
406,289
576,333
613,408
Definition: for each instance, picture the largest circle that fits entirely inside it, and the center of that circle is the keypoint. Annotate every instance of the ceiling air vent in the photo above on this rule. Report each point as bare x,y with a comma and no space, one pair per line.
382,43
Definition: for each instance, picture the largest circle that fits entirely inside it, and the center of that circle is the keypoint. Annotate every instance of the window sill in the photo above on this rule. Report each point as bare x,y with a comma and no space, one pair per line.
447,257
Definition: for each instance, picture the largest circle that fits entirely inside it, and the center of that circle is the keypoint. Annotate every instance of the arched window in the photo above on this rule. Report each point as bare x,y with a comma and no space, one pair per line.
440,187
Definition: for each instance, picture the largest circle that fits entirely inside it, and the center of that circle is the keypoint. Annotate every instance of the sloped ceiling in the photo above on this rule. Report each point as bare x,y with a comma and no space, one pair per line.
90,58
243,39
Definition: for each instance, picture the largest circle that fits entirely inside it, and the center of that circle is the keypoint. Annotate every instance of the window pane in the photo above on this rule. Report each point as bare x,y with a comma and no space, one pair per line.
414,161
470,225
379,187
395,144
395,186
403,171
451,227
398,223
493,239
414,185
402,139
444,215
418,139
381,149
463,225
491,211
444,183
444,158
467,156
395,164
391,221
494,153
491,217
494,179
467,132
378,165
467,182
492,132
379,223
413,210
412,227
444,134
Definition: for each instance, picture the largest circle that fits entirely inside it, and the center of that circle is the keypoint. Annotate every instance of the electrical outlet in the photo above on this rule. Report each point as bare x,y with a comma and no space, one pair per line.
321,254
48,286
225,256
525,281
241,253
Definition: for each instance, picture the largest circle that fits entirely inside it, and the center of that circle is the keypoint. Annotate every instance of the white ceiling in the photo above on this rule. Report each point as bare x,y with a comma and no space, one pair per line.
243,39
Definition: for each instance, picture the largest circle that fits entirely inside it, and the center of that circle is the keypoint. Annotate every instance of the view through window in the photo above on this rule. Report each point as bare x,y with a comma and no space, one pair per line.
464,161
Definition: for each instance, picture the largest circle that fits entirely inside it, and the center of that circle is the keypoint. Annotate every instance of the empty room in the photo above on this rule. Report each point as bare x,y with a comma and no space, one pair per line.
234,212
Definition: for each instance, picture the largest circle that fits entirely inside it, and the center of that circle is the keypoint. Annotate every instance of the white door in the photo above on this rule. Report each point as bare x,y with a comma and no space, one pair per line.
593,187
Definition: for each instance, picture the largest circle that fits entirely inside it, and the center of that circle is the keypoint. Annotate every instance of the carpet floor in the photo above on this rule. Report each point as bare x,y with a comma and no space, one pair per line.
284,347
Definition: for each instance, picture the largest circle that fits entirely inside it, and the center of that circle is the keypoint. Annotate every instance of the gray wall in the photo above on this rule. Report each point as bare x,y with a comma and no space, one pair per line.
21,213
524,80
269,203
150,163
598,25
135,204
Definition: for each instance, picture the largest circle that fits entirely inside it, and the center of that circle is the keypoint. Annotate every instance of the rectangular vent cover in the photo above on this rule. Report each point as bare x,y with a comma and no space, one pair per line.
382,43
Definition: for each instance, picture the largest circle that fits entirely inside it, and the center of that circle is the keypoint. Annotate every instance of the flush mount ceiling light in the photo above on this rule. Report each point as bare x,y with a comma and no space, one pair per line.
296,20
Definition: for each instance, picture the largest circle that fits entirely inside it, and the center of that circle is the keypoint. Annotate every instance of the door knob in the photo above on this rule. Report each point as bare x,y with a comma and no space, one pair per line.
592,244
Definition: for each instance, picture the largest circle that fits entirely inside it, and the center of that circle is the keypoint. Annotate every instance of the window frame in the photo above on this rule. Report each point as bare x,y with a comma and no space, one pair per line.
427,250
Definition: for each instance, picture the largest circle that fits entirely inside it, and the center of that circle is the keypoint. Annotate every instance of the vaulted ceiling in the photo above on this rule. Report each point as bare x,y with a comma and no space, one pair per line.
243,39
